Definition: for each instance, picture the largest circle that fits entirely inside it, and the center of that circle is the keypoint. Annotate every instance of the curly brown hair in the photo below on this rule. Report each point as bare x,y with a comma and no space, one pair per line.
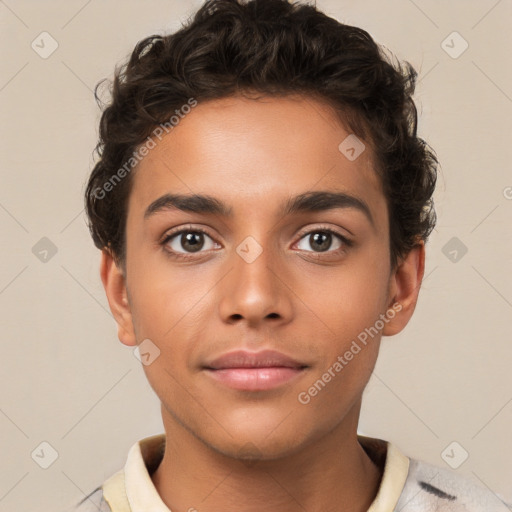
271,47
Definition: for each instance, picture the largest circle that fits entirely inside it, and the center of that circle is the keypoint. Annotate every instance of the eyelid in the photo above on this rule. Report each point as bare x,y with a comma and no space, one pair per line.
179,230
329,229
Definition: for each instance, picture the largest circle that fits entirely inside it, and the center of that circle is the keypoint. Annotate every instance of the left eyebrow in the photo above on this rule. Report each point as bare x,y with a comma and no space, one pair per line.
317,201
314,201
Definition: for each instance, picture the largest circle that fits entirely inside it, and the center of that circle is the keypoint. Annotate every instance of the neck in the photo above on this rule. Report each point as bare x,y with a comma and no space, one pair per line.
330,474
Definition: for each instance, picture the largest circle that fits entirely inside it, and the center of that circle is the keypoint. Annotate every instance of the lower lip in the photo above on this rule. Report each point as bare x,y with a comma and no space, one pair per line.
255,379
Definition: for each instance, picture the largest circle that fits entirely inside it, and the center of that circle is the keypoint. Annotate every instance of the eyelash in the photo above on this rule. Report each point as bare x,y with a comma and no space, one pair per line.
189,256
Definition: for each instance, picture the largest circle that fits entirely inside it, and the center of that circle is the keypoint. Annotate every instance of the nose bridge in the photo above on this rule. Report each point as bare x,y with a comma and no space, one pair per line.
254,289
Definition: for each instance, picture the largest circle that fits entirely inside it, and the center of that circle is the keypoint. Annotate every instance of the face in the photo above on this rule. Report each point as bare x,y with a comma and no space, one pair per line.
260,267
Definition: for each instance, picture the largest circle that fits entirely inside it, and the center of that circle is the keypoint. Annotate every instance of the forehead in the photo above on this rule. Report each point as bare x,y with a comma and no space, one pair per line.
250,152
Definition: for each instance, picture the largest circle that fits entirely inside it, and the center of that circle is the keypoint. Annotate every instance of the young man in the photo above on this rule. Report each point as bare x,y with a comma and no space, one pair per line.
262,203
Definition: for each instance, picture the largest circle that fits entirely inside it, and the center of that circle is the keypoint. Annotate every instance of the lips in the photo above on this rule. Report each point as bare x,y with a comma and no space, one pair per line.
254,371
245,359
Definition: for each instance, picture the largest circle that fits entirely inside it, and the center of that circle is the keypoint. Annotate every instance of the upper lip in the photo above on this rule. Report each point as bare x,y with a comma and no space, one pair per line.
245,359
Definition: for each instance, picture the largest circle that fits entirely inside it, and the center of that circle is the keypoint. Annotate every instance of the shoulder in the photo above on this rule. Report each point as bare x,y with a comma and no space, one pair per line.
93,502
433,488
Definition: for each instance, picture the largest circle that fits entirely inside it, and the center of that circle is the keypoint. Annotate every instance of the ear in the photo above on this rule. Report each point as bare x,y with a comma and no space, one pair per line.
115,288
404,287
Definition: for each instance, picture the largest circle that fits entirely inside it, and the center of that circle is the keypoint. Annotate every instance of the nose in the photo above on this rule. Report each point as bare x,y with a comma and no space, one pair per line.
255,289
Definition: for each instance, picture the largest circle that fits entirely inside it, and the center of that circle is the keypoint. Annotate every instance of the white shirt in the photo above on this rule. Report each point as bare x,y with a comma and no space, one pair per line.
407,485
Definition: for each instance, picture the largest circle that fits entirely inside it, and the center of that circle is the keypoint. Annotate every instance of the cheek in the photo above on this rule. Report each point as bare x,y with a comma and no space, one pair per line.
169,308
350,307
164,299
352,298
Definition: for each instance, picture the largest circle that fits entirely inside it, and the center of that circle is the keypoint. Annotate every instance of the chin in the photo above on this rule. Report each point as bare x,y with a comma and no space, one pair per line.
256,446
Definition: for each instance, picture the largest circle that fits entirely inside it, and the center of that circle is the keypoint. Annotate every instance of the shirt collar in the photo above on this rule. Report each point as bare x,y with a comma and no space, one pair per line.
145,455
140,490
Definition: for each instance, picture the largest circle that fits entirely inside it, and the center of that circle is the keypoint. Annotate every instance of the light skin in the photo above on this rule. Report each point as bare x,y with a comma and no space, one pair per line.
253,155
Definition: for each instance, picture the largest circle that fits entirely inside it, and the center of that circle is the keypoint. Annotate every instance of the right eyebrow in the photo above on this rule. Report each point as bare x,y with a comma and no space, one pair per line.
195,203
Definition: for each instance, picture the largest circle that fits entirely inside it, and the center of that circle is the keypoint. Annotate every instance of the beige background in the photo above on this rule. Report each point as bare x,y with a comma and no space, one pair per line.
68,381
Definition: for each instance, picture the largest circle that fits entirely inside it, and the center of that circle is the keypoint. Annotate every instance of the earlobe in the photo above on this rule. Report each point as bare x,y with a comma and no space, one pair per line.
405,285
114,283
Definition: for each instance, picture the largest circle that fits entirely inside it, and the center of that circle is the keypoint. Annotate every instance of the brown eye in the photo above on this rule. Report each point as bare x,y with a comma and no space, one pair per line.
188,241
322,240
192,242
